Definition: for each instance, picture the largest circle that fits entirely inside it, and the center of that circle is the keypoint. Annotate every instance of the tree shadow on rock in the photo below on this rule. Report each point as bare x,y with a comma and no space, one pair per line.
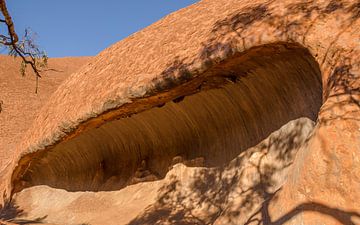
12,213
241,192
343,93
232,193
294,23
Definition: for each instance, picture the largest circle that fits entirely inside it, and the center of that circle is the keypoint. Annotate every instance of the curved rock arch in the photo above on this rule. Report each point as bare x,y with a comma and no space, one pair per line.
176,64
231,108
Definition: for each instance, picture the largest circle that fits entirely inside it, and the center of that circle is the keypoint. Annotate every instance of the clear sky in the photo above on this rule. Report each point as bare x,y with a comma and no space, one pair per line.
85,27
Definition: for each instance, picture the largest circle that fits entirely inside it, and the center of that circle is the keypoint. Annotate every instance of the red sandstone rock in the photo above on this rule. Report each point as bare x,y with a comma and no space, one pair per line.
212,80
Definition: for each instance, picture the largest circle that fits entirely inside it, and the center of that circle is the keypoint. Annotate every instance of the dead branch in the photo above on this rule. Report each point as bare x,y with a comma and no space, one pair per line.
25,49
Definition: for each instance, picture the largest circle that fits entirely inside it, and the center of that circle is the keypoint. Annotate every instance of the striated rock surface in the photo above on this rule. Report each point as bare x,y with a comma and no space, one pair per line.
186,195
225,112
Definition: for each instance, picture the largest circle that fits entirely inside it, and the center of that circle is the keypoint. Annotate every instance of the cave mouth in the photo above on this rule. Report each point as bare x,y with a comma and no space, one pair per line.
251,96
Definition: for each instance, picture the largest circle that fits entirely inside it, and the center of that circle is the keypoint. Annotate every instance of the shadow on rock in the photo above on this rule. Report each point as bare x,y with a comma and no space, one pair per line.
238,193
12,213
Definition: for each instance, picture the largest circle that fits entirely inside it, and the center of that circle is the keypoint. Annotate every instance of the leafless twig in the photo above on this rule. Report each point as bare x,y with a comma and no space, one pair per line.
26,49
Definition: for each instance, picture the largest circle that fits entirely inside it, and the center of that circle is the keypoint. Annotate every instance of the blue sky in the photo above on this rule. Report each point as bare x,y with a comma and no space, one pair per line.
85,27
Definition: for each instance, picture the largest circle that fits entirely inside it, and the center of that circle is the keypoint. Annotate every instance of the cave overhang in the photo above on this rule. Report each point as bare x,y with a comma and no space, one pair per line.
211,116
144,71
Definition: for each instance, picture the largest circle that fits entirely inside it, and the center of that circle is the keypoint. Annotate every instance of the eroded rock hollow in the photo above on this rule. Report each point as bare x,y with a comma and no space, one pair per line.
239,107
225,112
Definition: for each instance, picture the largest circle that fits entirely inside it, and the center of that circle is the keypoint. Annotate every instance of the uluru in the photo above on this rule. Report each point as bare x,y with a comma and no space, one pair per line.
224,112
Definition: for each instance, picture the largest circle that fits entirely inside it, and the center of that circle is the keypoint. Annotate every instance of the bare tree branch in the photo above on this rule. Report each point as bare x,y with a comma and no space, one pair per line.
25,48
11,29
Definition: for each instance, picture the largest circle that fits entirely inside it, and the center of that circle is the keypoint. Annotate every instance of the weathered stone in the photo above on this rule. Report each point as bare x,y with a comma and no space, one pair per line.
210,81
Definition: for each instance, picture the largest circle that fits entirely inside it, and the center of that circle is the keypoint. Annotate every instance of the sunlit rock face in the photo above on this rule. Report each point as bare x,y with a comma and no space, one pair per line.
19,102
226,112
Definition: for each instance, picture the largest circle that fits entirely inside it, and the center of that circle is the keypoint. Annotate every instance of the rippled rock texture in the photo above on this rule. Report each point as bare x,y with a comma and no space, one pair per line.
215,124
225,112
188,194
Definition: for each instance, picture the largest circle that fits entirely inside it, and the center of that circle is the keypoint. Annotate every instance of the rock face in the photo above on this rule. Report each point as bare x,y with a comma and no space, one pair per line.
225,112
186,195
20,103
